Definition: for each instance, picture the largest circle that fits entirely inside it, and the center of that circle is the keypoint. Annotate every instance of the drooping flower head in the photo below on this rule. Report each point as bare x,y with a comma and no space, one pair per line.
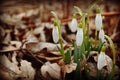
74,24
98,20
79,37
101,35
103,60
55,34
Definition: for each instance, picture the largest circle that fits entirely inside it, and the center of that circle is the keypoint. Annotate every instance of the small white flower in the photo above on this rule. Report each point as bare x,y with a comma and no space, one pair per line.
79,37
101,35
55,34
73,25
98,21
103,60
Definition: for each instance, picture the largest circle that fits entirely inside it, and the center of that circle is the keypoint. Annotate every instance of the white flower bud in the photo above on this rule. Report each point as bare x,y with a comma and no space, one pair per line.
79,37
101,35
98,21
73,25
103,60
55,34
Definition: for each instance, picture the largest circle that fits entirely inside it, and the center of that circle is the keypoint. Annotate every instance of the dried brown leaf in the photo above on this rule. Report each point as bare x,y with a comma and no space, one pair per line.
52,69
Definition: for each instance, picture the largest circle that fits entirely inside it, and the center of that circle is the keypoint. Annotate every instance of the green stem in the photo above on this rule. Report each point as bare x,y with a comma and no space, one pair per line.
83,23
88,22
114,56
57,23
61,43
88,15
99,75
96,34
79,10
112,47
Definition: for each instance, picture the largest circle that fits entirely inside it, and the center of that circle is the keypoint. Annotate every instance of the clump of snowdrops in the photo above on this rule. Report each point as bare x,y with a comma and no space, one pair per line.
83,44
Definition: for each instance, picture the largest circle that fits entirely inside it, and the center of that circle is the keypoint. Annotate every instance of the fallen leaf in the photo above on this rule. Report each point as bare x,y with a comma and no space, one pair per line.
53,69
27,70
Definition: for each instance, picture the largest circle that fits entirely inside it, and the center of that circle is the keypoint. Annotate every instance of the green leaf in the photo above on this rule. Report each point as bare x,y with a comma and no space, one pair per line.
75,52
87,45
100,44
81,51
59,49
100,75
67,58
112,73
79,10
77,71
112,47
87,72
86,42
90,47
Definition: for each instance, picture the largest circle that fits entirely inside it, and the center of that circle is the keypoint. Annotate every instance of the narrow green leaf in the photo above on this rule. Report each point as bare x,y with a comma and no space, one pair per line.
67,58
111,75
59,49
79,10
81,51
75,52
87,45
99,75
86,42
77,71
87,72
100,44
112,47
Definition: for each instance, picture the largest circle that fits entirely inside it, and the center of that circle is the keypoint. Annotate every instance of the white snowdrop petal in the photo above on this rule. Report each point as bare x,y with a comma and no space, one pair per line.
101,35
73,25
79,37
55,34
98,21
101,61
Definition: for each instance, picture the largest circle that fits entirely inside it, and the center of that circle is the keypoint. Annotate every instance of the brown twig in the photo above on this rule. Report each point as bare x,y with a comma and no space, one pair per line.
93,15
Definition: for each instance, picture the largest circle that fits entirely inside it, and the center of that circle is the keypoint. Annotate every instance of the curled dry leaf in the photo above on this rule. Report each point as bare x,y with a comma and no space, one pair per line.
27,70
109,63
70,67
40,31
49,58
53,70
37,47
2,34
94,54
8,36
30,37
9,48
67,68
17,44
10,65
92,68
32,12
12,71
6,18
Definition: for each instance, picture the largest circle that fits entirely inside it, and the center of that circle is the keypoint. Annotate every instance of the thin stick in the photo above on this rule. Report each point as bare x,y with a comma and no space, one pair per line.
93,15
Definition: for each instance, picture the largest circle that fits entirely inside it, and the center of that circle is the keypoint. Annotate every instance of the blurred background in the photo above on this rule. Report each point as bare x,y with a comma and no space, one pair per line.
33,13
22,20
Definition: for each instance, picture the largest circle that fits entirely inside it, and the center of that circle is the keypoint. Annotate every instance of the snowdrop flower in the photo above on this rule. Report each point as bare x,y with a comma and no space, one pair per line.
73,25
101,35
55,34
98,21
79,37
103,60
